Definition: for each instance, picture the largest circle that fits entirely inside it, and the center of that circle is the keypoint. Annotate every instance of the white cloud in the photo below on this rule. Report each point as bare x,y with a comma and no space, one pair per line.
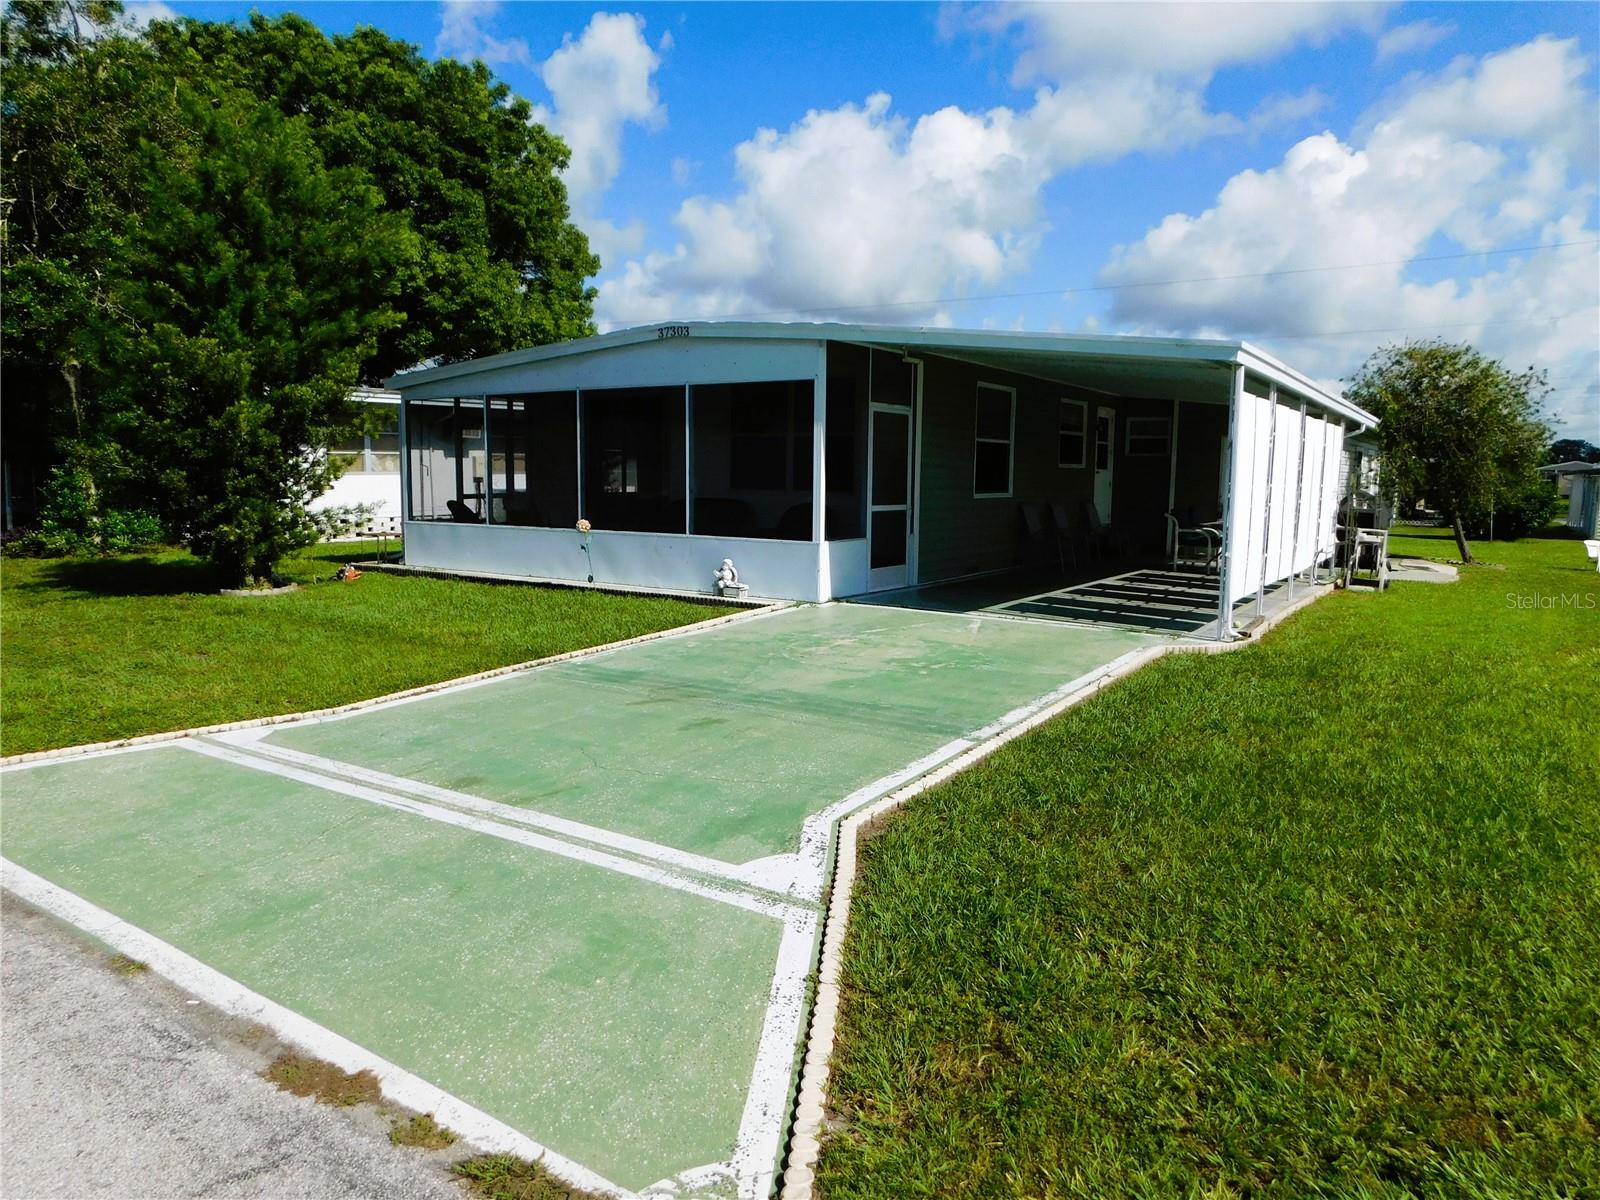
863,212
1461,158
1286,108
1061,41
850,207
1412,38
1125,77
1532,91
464,34
138,14
599,83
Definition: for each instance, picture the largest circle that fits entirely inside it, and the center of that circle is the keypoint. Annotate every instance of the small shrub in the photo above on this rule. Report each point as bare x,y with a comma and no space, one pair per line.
73,521
341,520
1523,507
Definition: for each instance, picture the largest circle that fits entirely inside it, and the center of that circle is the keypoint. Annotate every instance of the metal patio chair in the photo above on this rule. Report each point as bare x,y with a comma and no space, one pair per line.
1194,543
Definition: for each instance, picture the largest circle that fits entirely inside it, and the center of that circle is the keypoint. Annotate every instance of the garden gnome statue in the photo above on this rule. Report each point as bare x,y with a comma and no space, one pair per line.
728,581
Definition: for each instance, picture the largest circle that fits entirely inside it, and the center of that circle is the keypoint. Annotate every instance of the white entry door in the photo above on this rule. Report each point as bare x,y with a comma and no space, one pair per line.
1105,445
889,496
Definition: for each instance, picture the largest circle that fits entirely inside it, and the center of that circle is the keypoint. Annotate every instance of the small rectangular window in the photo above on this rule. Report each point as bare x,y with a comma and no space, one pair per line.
1074,433
992,431
1149,437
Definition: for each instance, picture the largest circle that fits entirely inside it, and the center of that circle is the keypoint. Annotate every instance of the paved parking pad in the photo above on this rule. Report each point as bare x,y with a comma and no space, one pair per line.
721,744
581,900
615,1016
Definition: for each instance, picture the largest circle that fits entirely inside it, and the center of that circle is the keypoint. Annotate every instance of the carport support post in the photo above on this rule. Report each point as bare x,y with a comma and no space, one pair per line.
819,474
1224,606
1172,481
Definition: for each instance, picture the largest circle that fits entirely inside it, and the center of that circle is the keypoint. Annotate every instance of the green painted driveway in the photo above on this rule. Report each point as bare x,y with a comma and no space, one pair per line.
581,899
722,743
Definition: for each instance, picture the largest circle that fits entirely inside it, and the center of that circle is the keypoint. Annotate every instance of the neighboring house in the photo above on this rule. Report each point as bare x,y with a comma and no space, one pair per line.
371,463
839,460
1579,482
1561,472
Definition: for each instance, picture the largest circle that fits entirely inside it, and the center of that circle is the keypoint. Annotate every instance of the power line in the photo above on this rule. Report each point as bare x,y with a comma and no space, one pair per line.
1120,287
1309,337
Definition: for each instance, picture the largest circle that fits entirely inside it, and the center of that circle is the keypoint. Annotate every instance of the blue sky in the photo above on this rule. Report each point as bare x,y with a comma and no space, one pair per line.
918,163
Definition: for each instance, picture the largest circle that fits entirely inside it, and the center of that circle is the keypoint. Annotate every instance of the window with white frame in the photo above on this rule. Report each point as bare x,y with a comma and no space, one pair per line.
1074,435
992,431
1149,437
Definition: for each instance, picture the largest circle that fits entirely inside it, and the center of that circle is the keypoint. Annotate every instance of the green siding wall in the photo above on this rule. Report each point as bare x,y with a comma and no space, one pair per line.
959,534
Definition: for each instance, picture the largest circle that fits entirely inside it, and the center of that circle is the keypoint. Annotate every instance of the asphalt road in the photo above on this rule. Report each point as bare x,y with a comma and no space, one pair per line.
118,1086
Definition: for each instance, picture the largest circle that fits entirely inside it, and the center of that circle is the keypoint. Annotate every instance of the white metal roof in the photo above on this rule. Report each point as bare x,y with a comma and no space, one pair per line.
1161,366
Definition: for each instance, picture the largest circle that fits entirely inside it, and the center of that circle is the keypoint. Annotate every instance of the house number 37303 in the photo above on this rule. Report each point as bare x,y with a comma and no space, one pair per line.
672,331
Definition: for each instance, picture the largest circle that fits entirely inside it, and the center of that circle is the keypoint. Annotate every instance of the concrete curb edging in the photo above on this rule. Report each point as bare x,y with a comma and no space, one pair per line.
798,1178
147,739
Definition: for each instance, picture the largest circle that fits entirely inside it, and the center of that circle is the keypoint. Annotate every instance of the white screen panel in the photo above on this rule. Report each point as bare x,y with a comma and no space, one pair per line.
1247,516
1333,487
1280,516
1311,493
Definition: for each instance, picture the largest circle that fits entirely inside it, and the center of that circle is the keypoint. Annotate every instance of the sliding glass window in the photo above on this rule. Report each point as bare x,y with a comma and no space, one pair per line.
634,469
533,470
752,460
448,459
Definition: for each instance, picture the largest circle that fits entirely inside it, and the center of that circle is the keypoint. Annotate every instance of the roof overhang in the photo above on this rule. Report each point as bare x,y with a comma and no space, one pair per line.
1173,368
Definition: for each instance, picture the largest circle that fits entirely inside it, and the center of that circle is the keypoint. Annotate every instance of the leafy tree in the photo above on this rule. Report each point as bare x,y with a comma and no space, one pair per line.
1572,450
212,232
256,281
498,264
78,102
1456,428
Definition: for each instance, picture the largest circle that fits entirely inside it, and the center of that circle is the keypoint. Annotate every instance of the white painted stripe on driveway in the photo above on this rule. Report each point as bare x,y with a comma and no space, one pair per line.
595,858
773,875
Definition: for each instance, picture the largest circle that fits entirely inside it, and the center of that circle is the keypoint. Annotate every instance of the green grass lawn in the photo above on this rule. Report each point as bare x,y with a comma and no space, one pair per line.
92,649
1320,917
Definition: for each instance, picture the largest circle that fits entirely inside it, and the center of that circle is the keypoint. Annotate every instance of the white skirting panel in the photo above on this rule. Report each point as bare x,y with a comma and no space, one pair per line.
671,562
845,565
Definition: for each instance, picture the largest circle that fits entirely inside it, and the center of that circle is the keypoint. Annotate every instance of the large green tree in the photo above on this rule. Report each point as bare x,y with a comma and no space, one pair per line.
256,282
1456,428
212,232
498,264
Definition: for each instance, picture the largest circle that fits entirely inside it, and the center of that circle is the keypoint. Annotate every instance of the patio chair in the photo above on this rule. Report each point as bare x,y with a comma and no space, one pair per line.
1101,538
1040,538
461,514
1066,537
1193,542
